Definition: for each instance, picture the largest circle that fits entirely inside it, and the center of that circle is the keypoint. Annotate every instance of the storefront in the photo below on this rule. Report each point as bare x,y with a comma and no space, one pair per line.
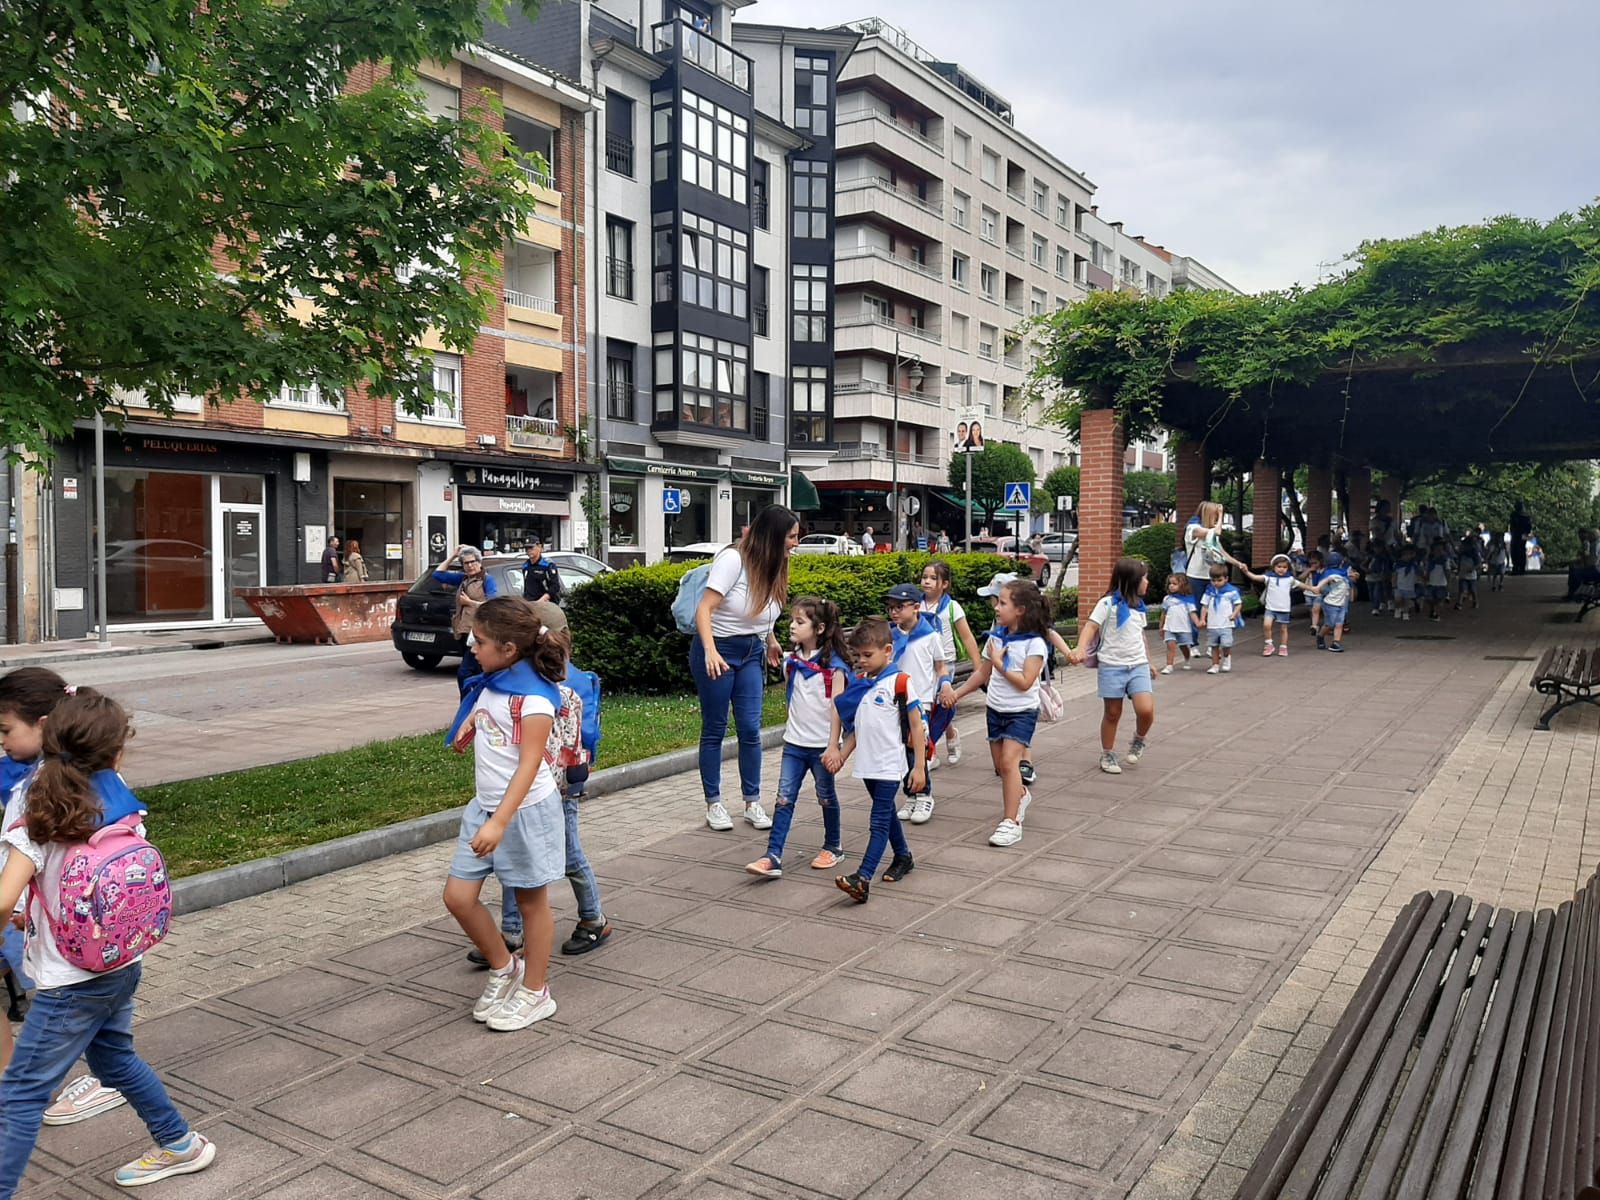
188,519
753,491
711,504
374,503
502,506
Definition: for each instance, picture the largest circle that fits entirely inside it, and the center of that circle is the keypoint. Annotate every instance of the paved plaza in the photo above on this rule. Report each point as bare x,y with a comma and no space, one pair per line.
1120,1005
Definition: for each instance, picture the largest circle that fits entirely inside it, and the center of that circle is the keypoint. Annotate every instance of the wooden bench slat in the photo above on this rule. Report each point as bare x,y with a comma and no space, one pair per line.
1277,1158
1564,1143
1590,1082
1376,1091
1540,1183
1556,1177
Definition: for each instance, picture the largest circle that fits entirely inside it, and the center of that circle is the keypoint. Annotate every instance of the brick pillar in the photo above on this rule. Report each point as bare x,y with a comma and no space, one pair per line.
1391,492
1194,478
1099,503
1358,486
1319,503
1267,488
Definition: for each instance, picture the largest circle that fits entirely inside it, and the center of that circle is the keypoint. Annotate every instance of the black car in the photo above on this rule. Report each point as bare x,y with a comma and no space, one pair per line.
421,629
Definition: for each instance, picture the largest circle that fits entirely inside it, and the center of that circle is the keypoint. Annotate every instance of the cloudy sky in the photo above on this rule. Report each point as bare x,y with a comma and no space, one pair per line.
1269,137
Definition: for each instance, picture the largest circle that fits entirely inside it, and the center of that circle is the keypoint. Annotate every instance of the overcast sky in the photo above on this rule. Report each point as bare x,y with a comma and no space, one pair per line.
1266,137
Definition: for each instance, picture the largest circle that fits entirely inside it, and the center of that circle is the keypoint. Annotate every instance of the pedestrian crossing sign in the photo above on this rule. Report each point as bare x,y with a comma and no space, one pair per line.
1019,497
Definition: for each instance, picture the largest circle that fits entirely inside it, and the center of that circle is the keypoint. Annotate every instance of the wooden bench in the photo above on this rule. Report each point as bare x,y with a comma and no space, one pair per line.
1467,1065
1588,596
1570,674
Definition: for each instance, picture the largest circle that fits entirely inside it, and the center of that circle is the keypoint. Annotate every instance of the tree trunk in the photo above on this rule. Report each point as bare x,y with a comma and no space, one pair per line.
1297,519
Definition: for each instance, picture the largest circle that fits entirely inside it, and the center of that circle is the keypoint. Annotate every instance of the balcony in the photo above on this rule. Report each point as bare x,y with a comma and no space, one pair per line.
702,50
1015,308
519,299
868,128
619,154
759,319
877,335
858,451
538,177
897,206
1019,197
872,265
868,398
1017,252
535,433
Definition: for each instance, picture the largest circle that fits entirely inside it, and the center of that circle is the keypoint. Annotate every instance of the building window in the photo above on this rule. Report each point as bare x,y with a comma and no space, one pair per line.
958,331
715,148
760,405
619,258
961,149
1039,301
810,199
309,396
661,137
619,134
959,203
986,397
987,336
991,168
811,75
810,303
661,260
761,284
1041,249
624,524
1063,262
619,382
989,226
760,192
878,309
1041,197
960,270
442,101
1063,212
445,406
714,387
808,408
715,271
988,281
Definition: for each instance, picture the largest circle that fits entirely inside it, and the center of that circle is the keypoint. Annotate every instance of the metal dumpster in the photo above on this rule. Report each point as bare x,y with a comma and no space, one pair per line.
336,613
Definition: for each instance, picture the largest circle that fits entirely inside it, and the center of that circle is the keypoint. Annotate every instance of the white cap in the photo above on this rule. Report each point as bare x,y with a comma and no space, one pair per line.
998,582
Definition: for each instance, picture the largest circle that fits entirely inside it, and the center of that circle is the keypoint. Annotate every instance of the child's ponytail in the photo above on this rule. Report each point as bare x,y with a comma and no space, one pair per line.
509,619
86,733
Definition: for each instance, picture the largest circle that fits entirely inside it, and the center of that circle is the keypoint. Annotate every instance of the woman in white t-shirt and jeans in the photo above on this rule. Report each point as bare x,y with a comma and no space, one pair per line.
1203,528
745,592
1118,620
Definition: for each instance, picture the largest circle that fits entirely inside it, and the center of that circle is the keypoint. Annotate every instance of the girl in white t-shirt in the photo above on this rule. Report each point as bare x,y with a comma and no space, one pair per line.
1118,622
514,828
1013,659
937,589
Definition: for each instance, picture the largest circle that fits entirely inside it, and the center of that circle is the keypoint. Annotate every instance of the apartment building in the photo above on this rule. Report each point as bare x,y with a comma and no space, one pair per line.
246,493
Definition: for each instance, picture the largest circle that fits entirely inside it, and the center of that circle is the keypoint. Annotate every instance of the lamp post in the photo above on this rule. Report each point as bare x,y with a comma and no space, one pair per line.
894,443
966,380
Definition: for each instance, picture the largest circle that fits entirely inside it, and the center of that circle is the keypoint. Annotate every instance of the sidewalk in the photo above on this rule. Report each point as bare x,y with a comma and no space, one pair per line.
127,644
1039,1021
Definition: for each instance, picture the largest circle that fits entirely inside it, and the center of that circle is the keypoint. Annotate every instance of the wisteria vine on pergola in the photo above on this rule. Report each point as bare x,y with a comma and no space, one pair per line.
1470,344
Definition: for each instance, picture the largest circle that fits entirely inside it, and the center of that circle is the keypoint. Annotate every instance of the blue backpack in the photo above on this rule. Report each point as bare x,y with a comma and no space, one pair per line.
586,686
690,588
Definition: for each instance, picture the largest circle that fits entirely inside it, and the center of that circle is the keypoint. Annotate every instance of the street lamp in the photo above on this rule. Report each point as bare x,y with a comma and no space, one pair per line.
966,380
894,440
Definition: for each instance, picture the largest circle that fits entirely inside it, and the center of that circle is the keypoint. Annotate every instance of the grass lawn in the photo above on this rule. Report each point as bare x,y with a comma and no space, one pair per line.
202,824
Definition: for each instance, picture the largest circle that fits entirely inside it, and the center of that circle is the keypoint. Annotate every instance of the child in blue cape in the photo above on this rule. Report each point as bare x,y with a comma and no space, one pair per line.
919,652
1114,632
1221,605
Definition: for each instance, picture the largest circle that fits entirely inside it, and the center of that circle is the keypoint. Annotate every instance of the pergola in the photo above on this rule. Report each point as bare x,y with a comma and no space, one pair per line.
1464,346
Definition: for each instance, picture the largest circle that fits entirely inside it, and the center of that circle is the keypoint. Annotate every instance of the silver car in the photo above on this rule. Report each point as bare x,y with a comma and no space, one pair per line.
830,543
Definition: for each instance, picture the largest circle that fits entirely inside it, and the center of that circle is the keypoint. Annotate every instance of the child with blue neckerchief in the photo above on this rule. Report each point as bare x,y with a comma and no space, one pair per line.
1177,621
919,652
1332,587
1277,599
1379,571
1221,605
1436,576
1115,633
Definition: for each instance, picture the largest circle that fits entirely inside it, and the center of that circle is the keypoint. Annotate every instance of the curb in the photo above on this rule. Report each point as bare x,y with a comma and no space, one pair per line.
261,875
47,657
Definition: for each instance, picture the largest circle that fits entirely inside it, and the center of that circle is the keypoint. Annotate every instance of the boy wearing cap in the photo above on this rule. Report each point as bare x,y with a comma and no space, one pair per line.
1278,599
919,652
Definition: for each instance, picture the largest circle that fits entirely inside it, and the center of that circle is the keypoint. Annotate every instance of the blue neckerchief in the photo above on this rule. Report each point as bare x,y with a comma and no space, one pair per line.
1120,604
937,615
1227,589
519,679
927,626
116,798
12,773
796,664
855,691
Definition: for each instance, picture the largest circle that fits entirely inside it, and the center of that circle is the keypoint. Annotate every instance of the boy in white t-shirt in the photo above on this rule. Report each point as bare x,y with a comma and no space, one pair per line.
919,652
1221,604
870,711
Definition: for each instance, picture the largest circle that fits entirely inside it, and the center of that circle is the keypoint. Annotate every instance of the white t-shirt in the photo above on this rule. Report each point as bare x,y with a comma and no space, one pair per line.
880,750
920,660
44,962
1221,608
1280,593
733,618
1180,614
497,746
1005,696
952,613
1194,537
1119,647
810,723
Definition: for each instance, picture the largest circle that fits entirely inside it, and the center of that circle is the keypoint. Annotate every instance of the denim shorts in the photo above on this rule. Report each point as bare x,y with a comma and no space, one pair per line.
1115,683
532,853
1279,618
1335,614
1014,726
1467,586
1220,637
1181,639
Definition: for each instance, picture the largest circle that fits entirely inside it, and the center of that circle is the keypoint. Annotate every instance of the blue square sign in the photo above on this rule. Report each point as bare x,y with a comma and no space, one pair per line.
1018,497
671,501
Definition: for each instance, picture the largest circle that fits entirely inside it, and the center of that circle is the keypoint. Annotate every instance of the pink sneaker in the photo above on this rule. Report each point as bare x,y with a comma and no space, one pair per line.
1267,653
1283,652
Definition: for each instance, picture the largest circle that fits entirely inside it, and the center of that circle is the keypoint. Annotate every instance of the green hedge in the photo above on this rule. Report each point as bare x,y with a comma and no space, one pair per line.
1154,545
622,624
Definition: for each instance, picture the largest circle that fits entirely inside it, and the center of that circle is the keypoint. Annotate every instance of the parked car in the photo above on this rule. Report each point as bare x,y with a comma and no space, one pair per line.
993,545
830,543
694,551
1057,546
421,629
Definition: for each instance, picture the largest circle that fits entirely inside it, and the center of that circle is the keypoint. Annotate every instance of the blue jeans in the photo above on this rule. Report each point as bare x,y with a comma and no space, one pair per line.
93,1019
884,825
740,684
797,762
579,874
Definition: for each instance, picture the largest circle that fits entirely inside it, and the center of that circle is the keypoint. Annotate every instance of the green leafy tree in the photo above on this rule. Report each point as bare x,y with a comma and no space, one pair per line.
996,465
1152,492
1063,481
1560,499
181,174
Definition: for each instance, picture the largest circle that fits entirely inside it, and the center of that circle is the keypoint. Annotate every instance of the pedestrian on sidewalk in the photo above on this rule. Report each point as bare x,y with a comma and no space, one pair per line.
880,715
744,593
355,566
917,652
1497,561
331,568
540,578
1222,604
73,793
1115,630
473,586
1278,599
1013,660
1436,576
816,672
1332,588
513,828
1177,621
938,600
1469,561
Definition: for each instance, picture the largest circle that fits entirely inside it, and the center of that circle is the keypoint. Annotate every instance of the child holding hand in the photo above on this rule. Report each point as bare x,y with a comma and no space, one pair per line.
1116,628
1177,621
1278,598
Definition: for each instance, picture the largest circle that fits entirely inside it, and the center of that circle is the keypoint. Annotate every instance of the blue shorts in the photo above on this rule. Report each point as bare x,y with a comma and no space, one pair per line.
1278,618
1013,726
1116,683
1182,639
1438,591
1467,585
1334,614
532,853
1220,637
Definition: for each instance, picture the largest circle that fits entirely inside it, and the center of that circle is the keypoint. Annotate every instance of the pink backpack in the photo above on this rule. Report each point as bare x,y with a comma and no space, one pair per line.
114,902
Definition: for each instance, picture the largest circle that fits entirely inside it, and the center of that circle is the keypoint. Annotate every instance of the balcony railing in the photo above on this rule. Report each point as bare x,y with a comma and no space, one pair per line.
860,387
619,278
543,177
544,304
619,154
1016,252
913,331
1019,197
534,433
848,115
857,451
758,208
931,269
910,197
1015,308
704,51
758,317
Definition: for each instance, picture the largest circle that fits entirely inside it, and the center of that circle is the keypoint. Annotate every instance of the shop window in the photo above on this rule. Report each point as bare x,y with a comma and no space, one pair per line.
372,513
159,560
624,524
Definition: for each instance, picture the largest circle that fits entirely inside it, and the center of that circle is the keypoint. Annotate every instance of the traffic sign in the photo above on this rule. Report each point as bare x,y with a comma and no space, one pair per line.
1019,497
671,501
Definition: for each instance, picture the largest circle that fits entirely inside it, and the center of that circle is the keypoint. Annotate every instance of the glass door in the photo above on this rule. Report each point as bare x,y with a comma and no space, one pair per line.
243,561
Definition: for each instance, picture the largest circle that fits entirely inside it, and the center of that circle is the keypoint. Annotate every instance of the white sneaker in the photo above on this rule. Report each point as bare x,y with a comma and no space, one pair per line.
933,762
1213,670
523,1008
1022,809
1007,833
1167,670
498,990
904,812
1109,763
1227,665
717,817
1135,751
757,816
81,1099
1187,665
953,753
921,810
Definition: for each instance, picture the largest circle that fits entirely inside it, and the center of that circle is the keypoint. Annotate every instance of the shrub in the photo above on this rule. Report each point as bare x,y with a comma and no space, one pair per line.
1154,545
622,624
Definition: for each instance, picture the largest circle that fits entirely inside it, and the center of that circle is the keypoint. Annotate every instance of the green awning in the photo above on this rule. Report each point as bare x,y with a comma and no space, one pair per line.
803,494
955,501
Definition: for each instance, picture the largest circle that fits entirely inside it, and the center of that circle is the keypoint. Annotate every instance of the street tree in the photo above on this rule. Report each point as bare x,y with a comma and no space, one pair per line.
220,198
1063,481
996,465
1152,492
